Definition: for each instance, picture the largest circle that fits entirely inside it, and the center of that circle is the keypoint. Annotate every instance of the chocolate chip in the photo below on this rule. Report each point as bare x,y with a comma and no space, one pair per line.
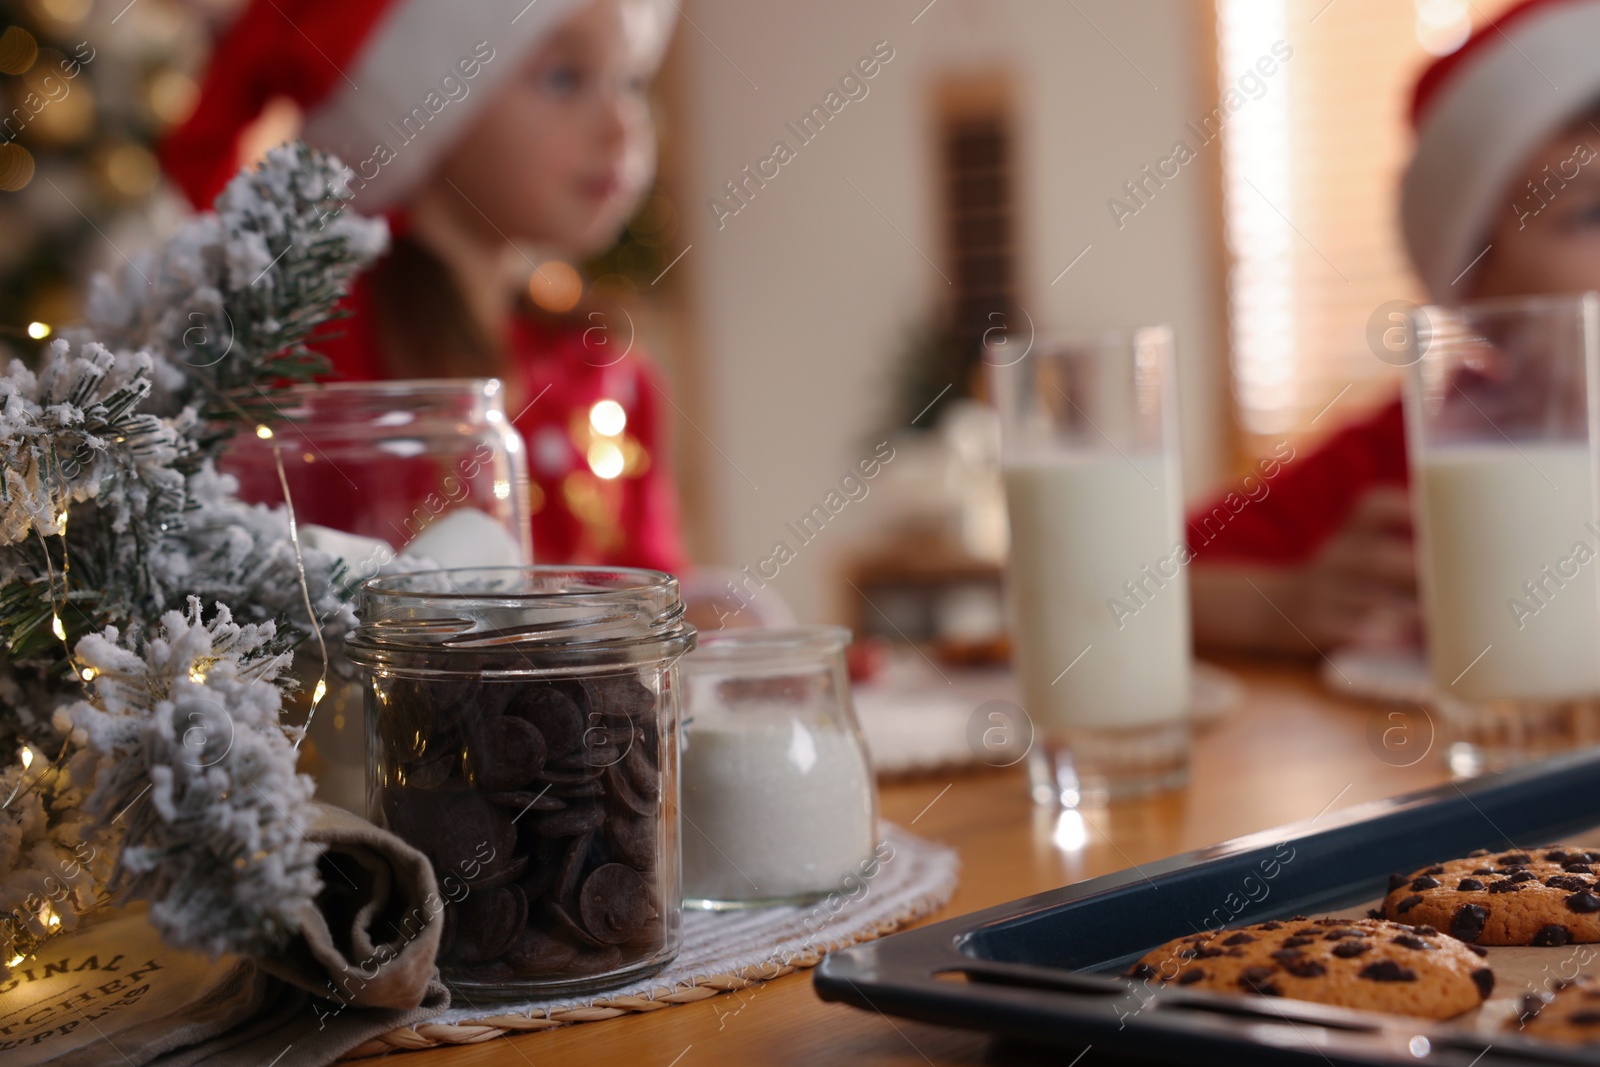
1256,980
1530,1007
1396,881
1191,976
1557,855
1297,941
1287,954
1483,870
1523,876
1272,926
1483,978
1414,943
1583,903
1408,903
614,902
536,952
1477,852
487,922
1515,857
430,771
1476,950
1584,1018
1240,938
558,719
570,870
1437,868
1187,953
1505,885
1570,882
1349,950
522,800
1387,971
1141,970
1209,953
578,817
1551,936
1307,930
1339,935
620,794
1305,968
1425,931
607,959
568,926
634,840
1425,882
1375,913
509,755
1468,921
1578,868
1467,885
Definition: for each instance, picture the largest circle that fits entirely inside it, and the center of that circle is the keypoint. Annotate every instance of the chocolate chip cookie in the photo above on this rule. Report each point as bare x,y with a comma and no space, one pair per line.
1569,1014
1367,964
1545,896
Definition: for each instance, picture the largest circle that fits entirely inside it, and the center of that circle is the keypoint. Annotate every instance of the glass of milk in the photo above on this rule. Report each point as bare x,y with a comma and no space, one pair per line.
1500,423
778,798
1096,585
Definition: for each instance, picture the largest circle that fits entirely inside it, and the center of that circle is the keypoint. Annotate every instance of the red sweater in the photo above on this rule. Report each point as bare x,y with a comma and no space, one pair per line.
1284,510
577,517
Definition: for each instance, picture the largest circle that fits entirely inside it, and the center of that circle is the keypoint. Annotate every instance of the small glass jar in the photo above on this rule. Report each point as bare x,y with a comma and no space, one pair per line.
779,801
523,732
431,466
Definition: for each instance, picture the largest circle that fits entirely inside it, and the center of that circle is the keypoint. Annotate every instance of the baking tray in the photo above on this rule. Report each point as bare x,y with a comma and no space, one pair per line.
1045,968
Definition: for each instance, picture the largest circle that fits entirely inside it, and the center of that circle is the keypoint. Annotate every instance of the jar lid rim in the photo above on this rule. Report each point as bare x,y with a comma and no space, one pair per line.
634,579
767,641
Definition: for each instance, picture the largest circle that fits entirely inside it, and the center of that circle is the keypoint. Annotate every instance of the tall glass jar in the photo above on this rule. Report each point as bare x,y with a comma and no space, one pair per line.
430,467
523,730
390,460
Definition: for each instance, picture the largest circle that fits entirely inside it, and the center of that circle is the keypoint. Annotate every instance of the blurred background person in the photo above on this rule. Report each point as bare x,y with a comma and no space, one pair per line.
1499,199
489,133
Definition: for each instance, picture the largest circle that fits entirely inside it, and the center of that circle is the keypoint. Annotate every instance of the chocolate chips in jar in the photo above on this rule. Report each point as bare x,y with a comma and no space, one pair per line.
523,733
539,804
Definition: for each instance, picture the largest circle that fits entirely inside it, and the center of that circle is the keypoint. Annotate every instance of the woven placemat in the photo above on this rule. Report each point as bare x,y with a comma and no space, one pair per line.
722,951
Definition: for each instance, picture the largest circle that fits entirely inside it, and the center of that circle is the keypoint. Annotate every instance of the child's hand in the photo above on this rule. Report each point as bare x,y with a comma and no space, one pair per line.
1361,587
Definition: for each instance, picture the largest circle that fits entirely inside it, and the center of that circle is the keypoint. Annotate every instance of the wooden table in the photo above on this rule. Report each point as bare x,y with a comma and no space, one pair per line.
1292,751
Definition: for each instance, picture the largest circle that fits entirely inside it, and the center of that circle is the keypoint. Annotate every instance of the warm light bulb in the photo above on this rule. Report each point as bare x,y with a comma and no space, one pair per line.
196,675
18,958
56,628
264,432
607,418
321,691
89,674
38,330
502,489
606,459
27,757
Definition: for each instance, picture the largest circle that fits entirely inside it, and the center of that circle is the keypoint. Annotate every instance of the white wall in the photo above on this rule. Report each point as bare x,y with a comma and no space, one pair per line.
801,299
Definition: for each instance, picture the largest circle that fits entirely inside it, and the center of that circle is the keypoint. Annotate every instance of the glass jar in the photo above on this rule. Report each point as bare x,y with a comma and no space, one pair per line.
431,467
523,730
779,801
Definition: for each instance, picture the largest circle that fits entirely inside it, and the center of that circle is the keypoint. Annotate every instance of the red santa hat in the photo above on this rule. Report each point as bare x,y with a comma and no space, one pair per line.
386,85
1479,114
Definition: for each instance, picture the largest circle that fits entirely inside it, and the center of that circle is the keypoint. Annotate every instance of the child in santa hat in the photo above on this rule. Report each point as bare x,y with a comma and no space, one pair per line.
1516,108
477,126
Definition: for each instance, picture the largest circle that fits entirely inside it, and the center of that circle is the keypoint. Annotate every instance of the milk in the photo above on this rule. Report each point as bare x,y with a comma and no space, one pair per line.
773,807
1080,528
1493,518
